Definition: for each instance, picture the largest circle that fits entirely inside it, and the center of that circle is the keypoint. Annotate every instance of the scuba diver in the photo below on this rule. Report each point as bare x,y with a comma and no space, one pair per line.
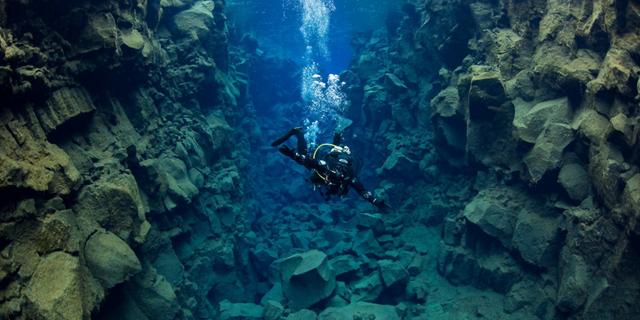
334,173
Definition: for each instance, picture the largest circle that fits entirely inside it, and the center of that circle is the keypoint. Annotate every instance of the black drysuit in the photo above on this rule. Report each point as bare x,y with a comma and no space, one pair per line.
334,173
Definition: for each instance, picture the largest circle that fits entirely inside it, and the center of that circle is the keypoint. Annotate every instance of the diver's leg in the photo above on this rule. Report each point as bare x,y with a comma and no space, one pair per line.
302,142
337,138
285,137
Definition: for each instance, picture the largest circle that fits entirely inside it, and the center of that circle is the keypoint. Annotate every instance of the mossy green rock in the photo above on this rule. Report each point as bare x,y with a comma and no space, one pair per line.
529,124
110,259
60,290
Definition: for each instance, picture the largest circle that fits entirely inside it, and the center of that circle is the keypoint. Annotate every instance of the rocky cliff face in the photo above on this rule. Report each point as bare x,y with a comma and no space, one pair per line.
535,104
120,162
503,133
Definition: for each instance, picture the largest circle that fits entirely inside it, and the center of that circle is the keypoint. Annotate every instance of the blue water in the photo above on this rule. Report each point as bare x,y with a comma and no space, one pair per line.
276,24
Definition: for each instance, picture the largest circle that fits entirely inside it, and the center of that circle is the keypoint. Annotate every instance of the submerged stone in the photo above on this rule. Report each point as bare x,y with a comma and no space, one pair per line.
360,310
66,105
304,314
197,20
574,282
548,150
344,264
368,288
575,180
240,311
307,279
273,310
59,289
529,124
110,259
392,273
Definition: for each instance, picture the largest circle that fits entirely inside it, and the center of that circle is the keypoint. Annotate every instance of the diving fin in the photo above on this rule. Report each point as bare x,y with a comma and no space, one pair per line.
286,137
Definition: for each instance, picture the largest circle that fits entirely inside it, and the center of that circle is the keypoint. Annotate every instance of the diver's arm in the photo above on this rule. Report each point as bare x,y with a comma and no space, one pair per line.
367,195
305,160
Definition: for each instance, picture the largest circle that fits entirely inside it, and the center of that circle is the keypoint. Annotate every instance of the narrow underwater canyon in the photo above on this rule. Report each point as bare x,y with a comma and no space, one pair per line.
137,180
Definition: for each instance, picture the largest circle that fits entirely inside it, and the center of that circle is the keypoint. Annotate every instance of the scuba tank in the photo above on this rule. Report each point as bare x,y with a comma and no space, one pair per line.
340,170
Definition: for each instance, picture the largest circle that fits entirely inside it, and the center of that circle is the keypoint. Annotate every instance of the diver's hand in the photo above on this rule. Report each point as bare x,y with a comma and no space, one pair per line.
379,203
287,151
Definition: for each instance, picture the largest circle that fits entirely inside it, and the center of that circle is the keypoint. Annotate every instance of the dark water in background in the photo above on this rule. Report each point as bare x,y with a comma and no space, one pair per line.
276,24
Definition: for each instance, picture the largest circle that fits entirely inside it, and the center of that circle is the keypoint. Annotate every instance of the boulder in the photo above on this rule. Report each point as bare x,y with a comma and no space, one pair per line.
153,294
449,123
536,238
304,314
394,84
574,282
60,289
196,21
375,105
31,163
307,279
617,73
574,178
133,39
548,150
631,193
492,215
606,163
498,271
240,311
416,265
505,51
486,93
371,221
360,310
273,310
530,122
529,293
344,265
366,244
418,289
414,239
301,239
57,232
446,103
392,273
274,294
169,265
452,230
561,70
626,127
64,107
100,32
172,180
115,203
262,257
110,259
398,164
592,125
490,115
368,288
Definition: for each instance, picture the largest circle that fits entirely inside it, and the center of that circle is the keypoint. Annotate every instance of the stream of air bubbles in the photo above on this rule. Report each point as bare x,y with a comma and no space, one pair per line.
324,100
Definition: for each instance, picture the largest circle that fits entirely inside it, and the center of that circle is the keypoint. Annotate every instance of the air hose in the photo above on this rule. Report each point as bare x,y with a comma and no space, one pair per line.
326,179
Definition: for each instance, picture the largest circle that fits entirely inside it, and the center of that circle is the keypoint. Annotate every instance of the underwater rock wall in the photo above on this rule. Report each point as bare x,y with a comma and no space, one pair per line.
535,104
121,165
